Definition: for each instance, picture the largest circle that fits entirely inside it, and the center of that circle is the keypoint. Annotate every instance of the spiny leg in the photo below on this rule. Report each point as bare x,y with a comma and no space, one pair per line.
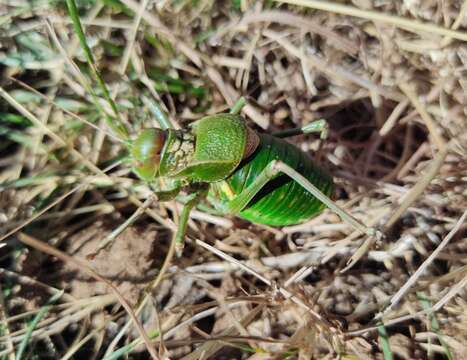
271,171
319,126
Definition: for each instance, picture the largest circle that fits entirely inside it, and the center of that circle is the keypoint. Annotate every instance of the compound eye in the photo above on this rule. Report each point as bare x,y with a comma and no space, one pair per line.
146,151
159,141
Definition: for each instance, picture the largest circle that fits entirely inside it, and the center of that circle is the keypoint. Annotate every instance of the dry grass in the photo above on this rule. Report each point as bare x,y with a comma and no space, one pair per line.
394,93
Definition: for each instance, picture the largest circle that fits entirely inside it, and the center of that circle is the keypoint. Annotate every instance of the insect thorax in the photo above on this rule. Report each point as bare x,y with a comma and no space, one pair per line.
178,153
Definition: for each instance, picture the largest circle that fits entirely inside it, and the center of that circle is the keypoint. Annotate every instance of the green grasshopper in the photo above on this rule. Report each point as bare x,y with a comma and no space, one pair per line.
256,176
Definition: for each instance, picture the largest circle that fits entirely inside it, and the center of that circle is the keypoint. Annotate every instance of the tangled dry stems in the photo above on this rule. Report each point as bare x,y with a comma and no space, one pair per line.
395,99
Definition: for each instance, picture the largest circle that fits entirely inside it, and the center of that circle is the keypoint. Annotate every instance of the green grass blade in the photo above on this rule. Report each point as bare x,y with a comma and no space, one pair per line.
117,124
20,138
122,351
118,7
426,304
384,342
159,114
42,312
14,119
129,347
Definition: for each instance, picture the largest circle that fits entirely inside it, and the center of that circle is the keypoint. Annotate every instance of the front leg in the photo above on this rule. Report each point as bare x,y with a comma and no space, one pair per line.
198,192
166,189
318,126
167,195
276,167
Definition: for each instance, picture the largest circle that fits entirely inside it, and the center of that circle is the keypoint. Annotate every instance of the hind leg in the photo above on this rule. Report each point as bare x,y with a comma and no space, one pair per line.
273,169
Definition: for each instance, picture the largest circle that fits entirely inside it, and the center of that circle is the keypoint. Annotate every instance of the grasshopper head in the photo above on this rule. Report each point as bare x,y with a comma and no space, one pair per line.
146,152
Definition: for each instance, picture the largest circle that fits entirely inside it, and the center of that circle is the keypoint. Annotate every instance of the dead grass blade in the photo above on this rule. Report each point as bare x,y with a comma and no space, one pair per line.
407,24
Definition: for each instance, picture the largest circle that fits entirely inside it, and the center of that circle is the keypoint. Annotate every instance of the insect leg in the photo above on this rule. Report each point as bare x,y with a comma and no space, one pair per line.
193,200
235,205
238,106
279,166
272,170
319,126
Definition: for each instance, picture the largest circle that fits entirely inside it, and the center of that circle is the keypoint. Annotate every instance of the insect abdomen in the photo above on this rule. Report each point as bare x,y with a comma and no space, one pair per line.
282,201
